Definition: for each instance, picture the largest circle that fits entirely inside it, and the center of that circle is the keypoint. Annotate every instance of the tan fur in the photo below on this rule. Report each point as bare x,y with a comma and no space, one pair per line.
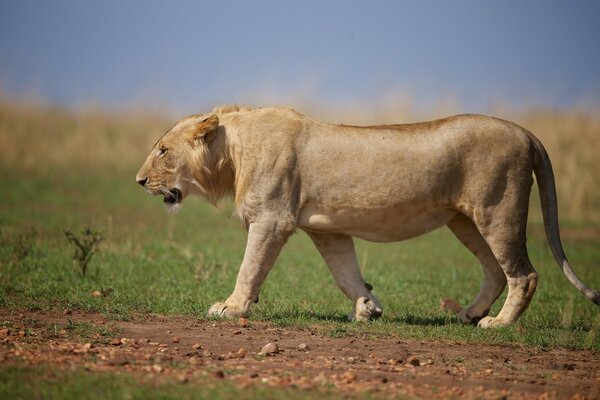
381,183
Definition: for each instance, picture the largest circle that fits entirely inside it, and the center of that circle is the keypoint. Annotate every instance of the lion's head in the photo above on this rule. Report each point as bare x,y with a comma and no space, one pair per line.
189,158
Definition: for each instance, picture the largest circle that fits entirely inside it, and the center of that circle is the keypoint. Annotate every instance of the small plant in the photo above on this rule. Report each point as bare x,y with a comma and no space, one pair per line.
22,246
85,246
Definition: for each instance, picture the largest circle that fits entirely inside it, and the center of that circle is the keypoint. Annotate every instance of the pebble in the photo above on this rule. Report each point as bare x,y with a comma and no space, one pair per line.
269,349
303,347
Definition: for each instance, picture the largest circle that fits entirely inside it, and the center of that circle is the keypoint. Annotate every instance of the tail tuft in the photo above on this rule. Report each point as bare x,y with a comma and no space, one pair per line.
596,298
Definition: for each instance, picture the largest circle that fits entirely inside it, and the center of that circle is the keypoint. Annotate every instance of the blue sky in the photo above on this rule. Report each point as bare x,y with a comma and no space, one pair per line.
190,55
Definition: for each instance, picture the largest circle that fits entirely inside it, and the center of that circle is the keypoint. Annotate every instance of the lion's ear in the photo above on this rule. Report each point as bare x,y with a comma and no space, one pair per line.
204,130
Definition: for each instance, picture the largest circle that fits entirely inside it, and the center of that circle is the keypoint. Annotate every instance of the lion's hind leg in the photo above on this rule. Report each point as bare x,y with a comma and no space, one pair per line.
504,232
338,252
494,279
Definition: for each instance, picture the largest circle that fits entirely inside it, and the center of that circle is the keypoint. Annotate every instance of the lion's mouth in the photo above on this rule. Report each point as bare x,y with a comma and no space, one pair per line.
172,196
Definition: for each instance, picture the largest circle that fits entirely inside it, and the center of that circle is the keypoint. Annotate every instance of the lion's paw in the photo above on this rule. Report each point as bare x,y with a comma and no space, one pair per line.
365,310
224,310
491,322
463,317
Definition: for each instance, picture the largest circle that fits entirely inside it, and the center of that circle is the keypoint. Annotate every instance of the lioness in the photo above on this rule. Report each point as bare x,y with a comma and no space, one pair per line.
380,183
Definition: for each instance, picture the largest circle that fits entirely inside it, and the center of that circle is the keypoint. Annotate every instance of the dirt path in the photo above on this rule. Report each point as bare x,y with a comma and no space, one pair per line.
188,350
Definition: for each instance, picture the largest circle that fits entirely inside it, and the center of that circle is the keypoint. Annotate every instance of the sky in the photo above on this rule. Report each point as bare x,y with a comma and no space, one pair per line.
189,55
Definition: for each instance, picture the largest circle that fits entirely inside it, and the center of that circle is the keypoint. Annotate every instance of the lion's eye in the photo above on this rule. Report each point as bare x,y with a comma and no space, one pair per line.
161,152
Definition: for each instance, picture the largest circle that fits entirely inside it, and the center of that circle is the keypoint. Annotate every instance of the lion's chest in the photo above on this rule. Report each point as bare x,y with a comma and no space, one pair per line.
378,225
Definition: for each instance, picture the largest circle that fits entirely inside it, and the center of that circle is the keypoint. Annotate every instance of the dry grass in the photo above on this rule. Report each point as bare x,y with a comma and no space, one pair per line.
34,137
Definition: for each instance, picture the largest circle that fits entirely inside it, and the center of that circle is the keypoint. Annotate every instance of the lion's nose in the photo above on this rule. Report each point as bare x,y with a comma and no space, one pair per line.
142,181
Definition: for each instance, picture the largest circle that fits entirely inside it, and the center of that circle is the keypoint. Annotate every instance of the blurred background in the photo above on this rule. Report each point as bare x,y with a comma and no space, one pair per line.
94,83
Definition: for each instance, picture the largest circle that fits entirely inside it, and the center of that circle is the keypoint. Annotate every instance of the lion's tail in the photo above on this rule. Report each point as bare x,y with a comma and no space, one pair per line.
547,187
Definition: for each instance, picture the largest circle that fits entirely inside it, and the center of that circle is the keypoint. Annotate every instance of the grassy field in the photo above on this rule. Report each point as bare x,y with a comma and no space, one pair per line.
67,171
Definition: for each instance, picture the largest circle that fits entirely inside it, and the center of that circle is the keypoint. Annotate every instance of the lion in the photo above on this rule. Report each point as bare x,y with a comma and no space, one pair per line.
384,183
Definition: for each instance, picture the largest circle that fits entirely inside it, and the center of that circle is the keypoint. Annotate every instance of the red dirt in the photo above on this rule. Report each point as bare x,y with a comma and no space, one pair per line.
156,347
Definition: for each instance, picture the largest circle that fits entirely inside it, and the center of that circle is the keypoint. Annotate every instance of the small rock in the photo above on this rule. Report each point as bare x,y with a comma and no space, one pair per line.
182,378
67,312
269,349
196,346
83,349
253,375
414,361
96,293
243,322
241,353
176,339
303,347
116,342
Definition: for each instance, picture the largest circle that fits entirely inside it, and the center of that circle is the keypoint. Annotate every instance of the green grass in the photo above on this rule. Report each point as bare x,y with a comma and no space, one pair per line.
180,264
45,383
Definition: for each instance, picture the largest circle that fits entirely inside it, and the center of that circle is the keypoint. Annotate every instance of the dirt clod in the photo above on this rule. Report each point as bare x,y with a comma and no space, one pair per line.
349,377
414,361
243,322
219,374
118,361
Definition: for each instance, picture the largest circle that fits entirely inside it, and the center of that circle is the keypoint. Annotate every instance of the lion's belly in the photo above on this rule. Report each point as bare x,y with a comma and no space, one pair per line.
377,225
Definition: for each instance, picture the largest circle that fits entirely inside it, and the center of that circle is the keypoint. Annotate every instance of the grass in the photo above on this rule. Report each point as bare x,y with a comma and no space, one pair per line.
180,264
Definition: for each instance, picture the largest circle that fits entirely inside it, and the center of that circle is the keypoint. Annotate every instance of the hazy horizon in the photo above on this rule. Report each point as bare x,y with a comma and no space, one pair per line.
186,56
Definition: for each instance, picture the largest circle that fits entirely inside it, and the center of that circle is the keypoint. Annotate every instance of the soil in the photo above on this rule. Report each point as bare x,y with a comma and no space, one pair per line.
187,350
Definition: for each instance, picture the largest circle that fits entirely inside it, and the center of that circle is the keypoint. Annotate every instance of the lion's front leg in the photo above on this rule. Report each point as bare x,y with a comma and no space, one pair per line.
338,252
265,241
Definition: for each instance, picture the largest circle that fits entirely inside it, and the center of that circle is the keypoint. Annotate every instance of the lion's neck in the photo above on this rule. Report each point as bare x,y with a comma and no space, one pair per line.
216,175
